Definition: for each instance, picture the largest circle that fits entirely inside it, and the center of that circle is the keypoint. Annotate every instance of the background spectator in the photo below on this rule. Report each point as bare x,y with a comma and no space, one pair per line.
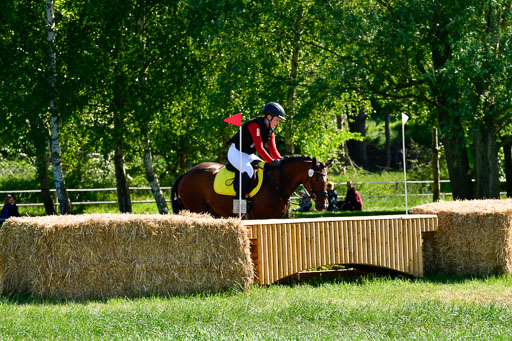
10,209
305,204
353,201
332,197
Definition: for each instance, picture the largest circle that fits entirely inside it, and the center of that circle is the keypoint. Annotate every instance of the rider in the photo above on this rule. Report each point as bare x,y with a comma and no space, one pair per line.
255,133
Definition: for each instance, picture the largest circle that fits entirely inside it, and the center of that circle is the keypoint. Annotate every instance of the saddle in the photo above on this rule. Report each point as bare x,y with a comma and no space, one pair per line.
225,178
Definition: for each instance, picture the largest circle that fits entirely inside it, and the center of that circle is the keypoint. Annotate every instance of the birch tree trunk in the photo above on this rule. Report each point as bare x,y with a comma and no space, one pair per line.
119,111
290,96
436,189
147,157
60,186
153,179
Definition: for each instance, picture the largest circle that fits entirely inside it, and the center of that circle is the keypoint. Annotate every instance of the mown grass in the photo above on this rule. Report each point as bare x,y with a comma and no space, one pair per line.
364,308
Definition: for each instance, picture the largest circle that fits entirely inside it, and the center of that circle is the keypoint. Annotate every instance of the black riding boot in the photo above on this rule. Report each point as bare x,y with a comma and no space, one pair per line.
246,187
246,184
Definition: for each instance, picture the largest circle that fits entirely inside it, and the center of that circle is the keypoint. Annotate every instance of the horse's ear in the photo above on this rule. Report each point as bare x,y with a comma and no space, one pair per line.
328,163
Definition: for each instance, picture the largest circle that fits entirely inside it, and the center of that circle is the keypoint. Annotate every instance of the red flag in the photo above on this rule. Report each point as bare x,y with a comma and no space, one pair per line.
235,119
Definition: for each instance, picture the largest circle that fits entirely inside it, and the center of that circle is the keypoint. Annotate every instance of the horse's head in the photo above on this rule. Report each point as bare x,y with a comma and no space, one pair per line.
316,183
296,170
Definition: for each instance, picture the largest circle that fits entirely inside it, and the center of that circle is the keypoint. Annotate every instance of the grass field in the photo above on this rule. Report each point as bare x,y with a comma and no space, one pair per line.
439,307
362,308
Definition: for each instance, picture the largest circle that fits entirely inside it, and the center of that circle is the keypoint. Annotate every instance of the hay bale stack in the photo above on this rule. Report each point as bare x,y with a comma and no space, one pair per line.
474,237
112,255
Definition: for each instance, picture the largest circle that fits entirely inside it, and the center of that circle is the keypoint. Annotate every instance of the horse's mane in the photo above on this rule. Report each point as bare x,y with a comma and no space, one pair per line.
288,158
291,158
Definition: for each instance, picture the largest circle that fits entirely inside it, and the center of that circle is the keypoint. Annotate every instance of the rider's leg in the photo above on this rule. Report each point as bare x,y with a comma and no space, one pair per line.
246,184
234,159
245,167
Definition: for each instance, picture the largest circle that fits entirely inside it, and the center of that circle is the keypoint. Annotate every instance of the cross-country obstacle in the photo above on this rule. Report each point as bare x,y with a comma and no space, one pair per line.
283,247
105,255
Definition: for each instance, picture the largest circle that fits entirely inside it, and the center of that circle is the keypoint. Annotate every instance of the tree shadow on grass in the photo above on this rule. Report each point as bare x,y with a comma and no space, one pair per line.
358,274
362,274
26,298
445,278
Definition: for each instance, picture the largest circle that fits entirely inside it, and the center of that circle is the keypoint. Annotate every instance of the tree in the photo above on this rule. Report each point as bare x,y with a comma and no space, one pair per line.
24,87
405,50
485,64
60,184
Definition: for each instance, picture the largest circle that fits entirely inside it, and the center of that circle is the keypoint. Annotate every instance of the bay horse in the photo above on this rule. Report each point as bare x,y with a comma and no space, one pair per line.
194,191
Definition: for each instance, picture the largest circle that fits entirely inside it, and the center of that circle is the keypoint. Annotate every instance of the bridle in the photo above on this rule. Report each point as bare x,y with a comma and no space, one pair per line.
314,194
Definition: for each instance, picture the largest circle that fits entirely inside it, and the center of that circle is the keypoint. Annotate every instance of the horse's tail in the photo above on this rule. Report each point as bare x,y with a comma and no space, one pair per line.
177,204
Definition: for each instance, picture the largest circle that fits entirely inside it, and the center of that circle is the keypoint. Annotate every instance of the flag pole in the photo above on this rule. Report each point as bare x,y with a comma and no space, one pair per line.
237,120
240,177
404,120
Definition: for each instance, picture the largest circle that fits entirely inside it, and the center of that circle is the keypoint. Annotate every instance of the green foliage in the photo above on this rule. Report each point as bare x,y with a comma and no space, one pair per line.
168,73
16,170
18,174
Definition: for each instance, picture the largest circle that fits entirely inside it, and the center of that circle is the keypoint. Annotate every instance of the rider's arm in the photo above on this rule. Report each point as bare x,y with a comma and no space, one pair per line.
255,131
272,148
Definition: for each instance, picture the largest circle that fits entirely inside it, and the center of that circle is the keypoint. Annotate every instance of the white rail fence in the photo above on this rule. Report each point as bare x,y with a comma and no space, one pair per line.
112,202
168,194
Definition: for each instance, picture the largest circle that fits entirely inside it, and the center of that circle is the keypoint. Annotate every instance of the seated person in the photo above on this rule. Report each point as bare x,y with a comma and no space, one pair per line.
10,209
353,201
305,204
332,197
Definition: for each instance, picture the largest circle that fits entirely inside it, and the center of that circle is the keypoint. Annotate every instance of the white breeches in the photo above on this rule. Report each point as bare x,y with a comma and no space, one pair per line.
234,158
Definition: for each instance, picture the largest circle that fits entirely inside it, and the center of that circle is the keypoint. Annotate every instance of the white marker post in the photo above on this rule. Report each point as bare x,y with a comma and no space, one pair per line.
404,120
240,179
239,205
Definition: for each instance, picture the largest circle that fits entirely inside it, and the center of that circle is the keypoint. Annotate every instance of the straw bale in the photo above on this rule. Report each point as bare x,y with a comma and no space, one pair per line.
474,237
112,255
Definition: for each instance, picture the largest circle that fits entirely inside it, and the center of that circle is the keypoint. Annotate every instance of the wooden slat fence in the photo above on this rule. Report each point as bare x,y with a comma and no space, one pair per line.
283,247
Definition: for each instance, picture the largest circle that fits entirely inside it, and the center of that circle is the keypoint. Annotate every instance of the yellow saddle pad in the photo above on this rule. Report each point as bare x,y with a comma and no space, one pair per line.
223,183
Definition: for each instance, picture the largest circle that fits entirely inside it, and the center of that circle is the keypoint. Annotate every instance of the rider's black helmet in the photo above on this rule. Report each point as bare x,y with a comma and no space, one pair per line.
274,109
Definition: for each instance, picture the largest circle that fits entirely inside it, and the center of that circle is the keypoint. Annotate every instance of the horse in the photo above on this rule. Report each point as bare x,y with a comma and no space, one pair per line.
194,190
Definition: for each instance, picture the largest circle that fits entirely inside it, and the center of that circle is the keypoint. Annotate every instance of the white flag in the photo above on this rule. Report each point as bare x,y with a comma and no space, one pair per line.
404,118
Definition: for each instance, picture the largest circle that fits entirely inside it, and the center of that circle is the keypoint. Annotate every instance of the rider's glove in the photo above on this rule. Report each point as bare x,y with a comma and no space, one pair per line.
276,163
